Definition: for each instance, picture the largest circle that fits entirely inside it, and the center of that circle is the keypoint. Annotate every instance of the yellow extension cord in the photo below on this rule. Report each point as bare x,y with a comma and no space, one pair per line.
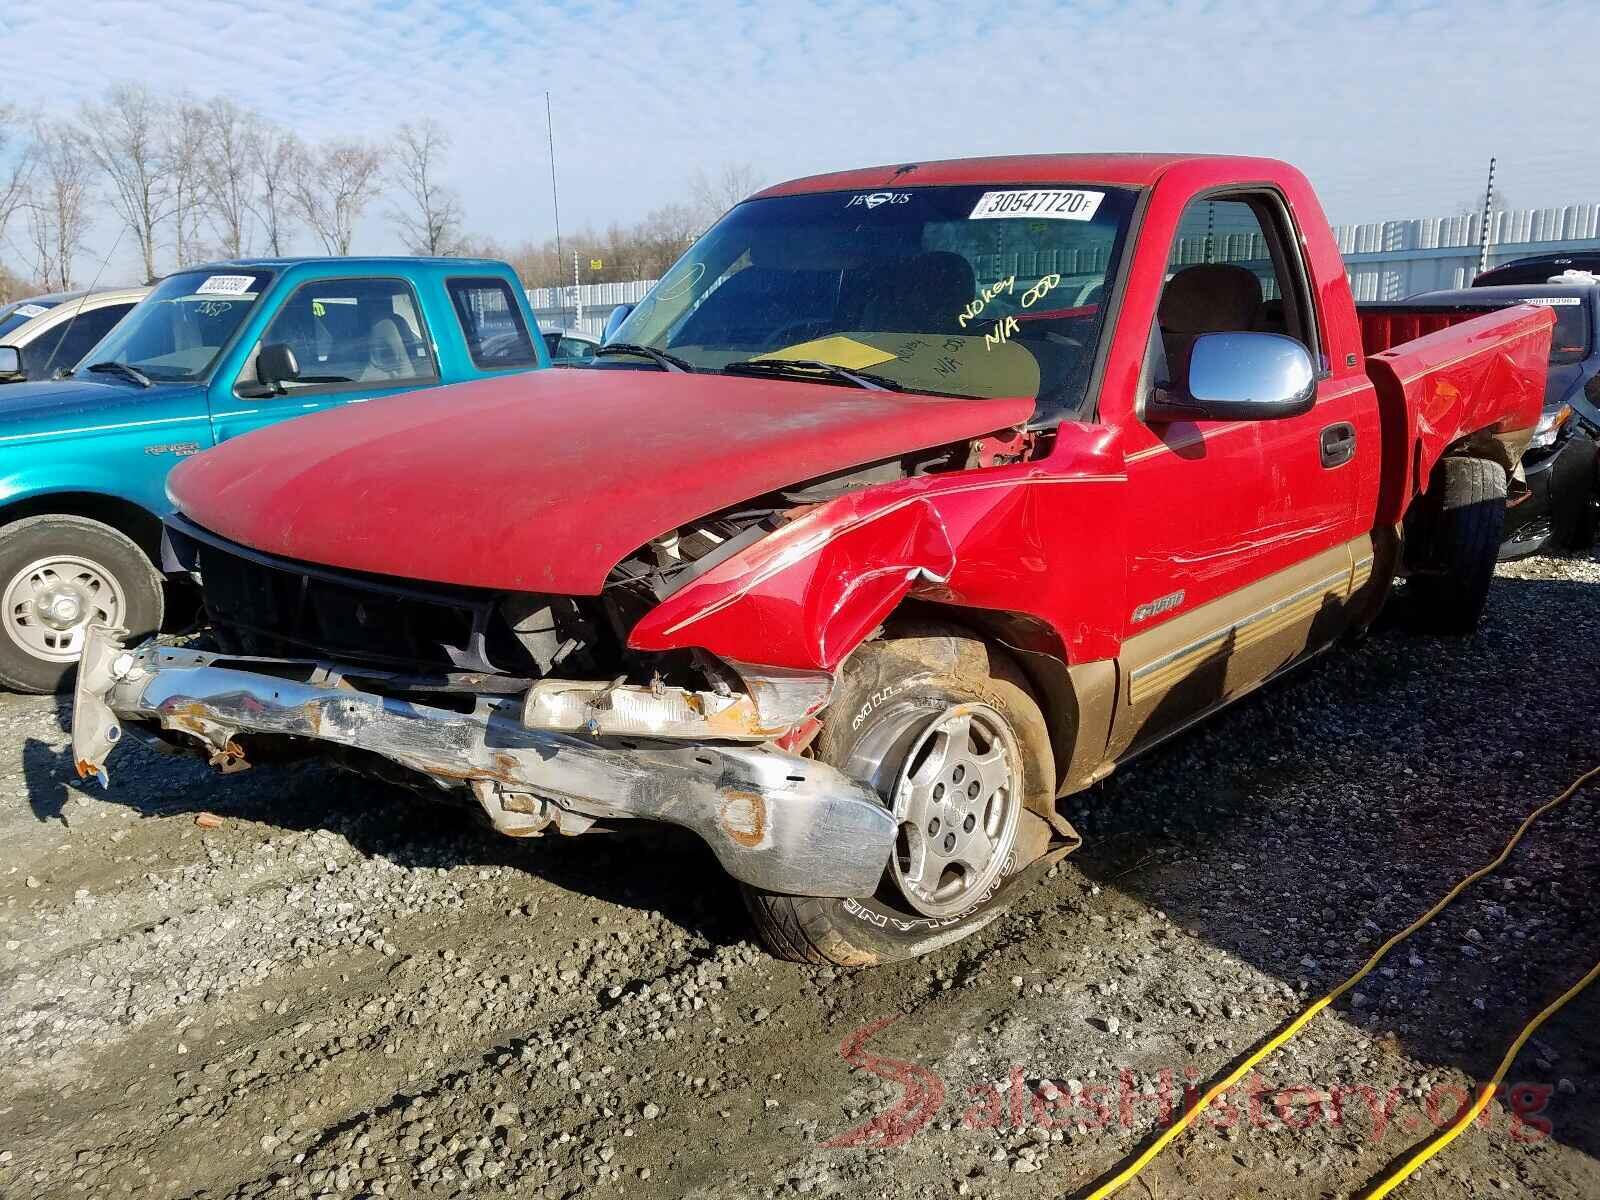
1463,1119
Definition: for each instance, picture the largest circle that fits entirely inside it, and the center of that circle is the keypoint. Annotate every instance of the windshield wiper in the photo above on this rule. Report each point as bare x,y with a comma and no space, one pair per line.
132,374
667,362
810,366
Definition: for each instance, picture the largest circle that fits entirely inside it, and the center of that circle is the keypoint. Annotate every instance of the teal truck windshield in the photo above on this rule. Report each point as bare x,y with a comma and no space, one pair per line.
985,290
177,331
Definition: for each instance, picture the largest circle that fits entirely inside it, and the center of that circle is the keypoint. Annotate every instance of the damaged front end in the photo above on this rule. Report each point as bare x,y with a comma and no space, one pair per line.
774,820
542,711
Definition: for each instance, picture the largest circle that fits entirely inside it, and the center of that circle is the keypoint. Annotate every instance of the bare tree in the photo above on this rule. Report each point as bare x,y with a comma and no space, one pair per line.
714,193
13,286
430,220
184,157
332,186
57,204
228,172
124,138
18,157
276,155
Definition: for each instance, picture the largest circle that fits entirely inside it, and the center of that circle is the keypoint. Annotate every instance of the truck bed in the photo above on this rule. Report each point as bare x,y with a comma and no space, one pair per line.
1387,324
1446,371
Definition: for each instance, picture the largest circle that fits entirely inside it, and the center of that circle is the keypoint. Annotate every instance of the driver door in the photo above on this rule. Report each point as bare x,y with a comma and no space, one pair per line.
1244,558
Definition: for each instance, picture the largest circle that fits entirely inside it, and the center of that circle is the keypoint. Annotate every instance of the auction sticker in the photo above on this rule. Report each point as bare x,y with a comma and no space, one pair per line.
1057,204
31,310
225,285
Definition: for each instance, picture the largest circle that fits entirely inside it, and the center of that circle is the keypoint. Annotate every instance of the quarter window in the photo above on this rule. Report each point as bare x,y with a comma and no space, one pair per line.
492,324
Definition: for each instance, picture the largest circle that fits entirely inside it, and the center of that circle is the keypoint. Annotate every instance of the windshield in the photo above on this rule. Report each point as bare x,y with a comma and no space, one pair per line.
1569,343
971,291
15,316
177,331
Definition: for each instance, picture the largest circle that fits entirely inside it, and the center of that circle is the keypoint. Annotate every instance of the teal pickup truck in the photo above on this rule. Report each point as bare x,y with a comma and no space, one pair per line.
213,352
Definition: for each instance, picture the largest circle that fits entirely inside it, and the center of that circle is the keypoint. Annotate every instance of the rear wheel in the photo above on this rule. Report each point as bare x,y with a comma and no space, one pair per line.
58,576
946,732
1577,499
1455,541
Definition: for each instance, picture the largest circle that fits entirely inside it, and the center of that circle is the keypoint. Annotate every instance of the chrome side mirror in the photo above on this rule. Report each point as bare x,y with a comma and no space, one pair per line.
619,314
1240,377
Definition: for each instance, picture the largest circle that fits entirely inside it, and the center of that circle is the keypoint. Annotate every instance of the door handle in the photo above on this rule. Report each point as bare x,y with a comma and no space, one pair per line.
1338,443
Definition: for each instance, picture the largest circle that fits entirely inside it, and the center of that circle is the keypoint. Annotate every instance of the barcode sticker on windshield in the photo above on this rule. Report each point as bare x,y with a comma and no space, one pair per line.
31,310
1056,204
225,285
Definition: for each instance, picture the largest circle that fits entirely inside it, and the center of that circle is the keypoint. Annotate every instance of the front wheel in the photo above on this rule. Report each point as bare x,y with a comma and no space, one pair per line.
946,732
58,576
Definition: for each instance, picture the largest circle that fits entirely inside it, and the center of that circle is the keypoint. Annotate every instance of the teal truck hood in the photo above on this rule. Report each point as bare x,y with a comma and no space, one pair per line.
103,437
81,408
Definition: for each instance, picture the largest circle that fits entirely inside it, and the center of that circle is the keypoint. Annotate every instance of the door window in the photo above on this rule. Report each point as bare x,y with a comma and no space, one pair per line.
492,323
1233,269
352,332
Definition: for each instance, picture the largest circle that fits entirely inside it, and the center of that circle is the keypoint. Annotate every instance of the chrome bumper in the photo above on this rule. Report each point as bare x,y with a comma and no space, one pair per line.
774,820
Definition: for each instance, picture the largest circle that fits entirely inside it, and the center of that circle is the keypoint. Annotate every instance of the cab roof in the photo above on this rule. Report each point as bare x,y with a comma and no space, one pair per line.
356,262
1127,170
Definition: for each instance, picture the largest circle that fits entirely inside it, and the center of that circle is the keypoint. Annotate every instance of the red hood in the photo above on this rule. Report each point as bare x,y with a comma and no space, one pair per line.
544,481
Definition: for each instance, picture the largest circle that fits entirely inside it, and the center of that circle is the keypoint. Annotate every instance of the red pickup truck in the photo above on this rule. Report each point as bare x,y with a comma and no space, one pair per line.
910,500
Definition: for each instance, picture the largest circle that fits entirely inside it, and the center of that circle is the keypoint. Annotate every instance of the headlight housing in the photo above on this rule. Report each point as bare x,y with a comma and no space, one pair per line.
1549,426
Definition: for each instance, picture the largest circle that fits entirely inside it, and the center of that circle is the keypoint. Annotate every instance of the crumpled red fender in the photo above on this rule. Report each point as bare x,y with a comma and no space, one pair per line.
1040,538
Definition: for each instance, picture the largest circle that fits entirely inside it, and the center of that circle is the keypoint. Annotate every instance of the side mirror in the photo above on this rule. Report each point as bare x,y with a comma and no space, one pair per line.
619,314
276,364
1241,377
10,363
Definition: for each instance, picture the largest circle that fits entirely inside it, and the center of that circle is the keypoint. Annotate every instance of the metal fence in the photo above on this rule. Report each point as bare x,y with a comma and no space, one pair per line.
1390,260
1386,260
557,308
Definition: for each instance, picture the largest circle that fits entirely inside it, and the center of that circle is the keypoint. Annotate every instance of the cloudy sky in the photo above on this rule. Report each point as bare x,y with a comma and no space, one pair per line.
1392,106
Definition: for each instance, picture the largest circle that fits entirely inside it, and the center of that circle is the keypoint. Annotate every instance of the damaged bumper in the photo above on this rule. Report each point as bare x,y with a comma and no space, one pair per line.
774,820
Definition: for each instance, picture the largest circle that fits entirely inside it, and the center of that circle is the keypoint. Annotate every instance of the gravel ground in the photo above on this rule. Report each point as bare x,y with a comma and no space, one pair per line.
300,984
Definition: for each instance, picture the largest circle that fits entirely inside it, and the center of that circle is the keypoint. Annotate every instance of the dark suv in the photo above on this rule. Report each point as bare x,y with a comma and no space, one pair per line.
1557,509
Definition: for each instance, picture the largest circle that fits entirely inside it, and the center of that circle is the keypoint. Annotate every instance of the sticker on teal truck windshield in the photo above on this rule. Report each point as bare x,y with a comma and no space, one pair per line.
225,285
1056,204
31,310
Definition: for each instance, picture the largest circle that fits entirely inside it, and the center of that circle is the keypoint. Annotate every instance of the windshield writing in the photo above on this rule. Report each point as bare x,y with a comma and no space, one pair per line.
178,330
971,291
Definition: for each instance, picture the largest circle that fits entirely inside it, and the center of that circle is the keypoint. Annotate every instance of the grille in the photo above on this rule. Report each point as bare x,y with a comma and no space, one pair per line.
260,604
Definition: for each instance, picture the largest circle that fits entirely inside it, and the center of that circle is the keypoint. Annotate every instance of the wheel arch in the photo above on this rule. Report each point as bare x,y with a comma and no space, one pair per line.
132,520
1040,655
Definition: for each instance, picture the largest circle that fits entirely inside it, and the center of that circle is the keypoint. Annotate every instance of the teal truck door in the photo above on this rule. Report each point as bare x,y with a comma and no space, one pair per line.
353,339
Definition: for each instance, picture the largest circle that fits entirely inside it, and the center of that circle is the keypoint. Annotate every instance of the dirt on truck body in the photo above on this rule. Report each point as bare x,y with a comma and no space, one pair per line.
911,500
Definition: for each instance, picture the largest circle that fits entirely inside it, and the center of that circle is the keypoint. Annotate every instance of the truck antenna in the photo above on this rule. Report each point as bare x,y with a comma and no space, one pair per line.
82,300
555,201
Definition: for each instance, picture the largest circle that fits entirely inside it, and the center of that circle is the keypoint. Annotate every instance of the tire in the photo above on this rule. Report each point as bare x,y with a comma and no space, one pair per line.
1579,536
92,572
1459,525
902,701
1577,514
